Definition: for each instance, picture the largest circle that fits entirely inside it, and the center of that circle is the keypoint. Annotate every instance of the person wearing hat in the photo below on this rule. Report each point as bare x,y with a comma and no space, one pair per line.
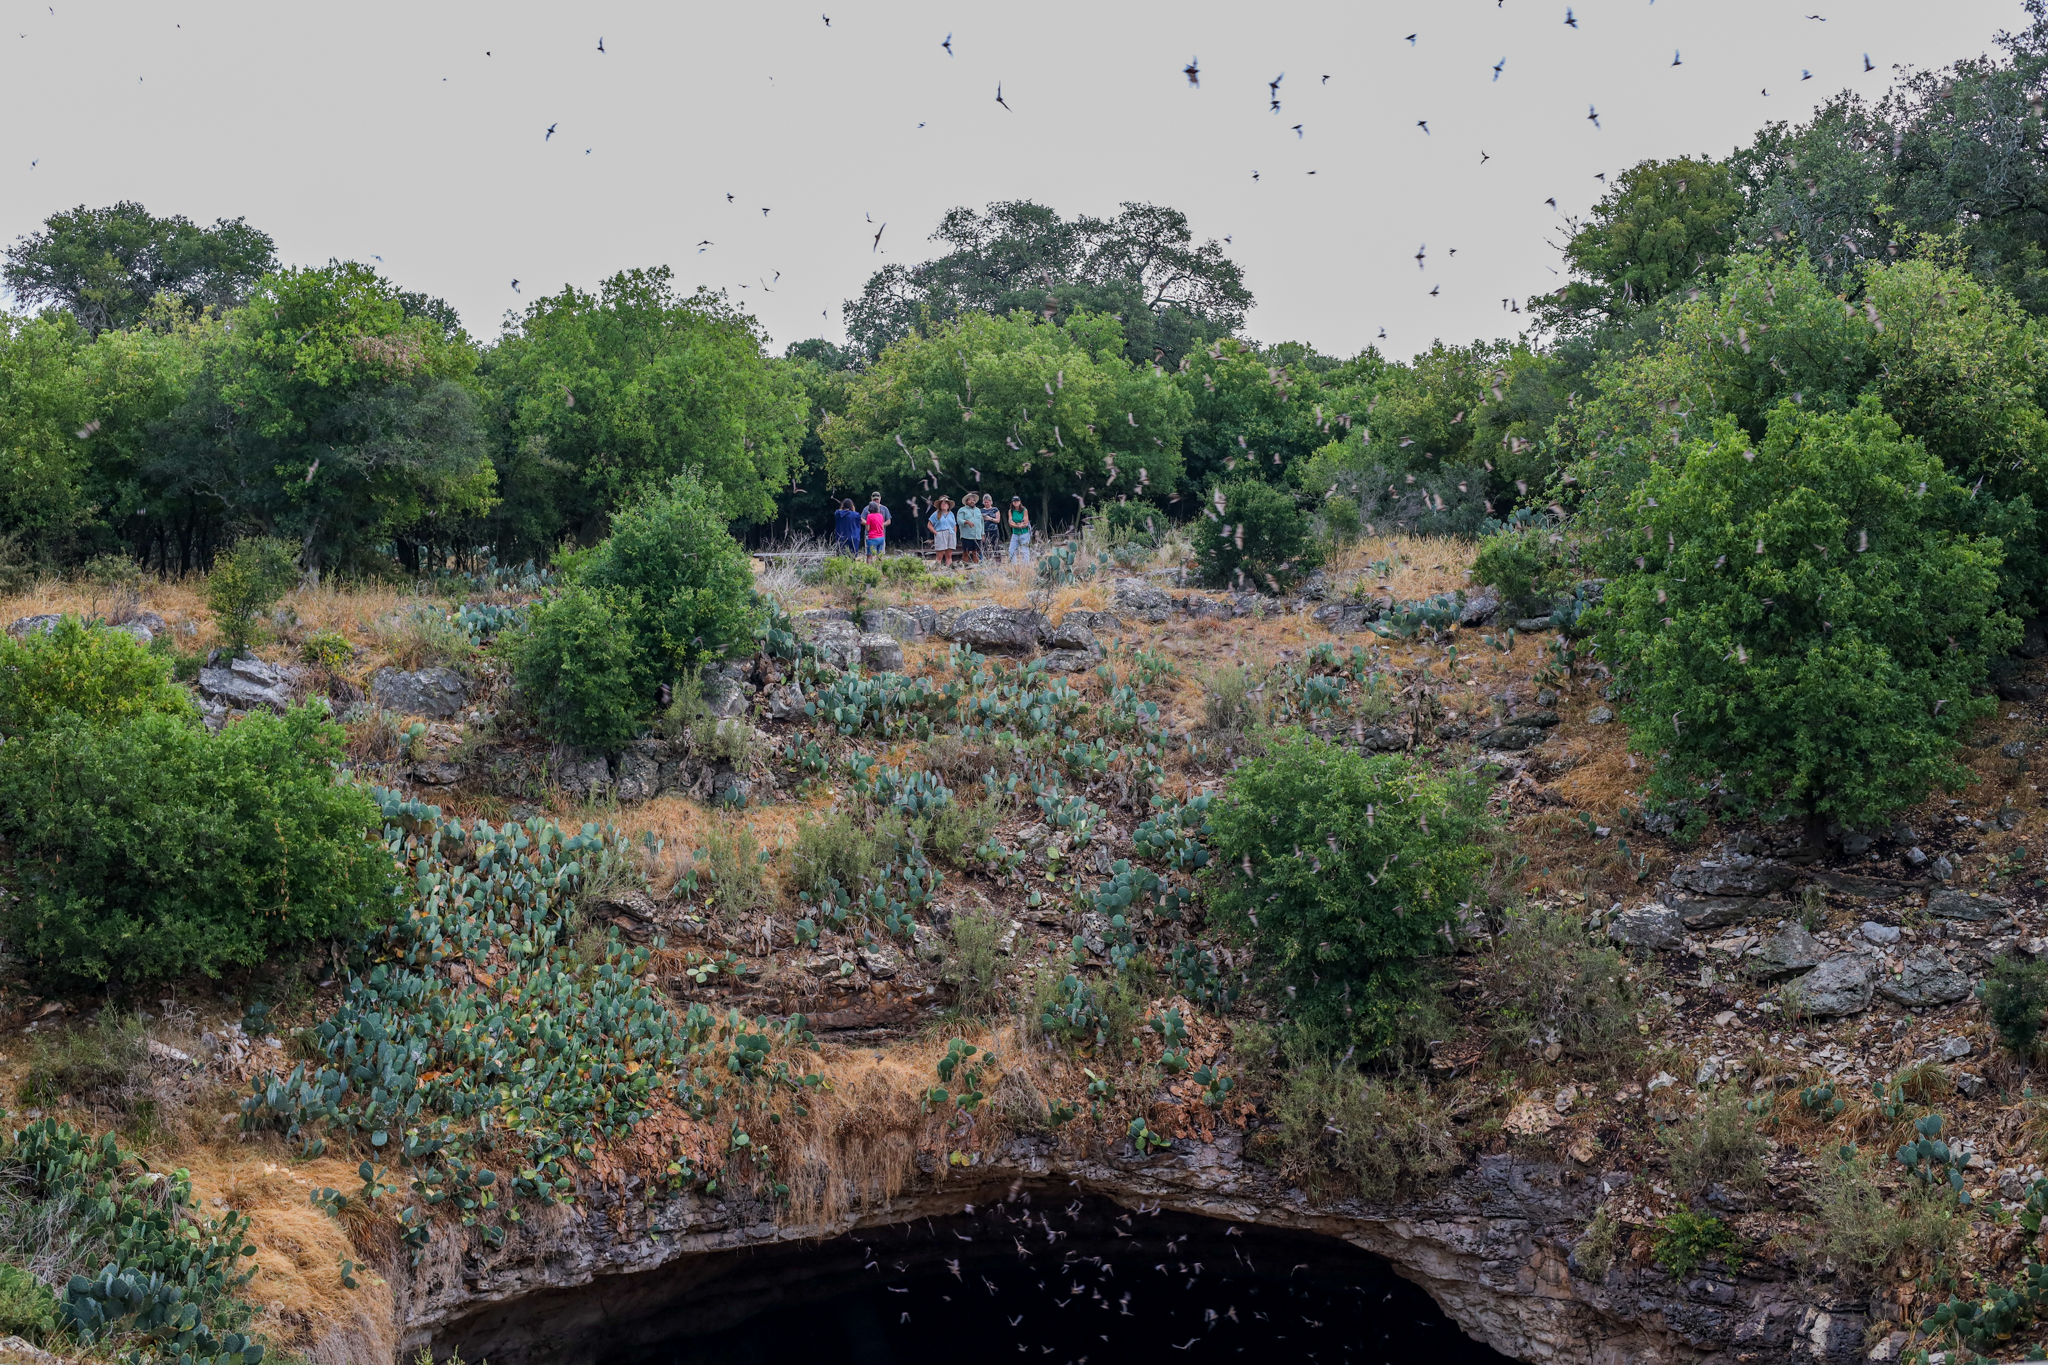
944,527
970,528
1020,531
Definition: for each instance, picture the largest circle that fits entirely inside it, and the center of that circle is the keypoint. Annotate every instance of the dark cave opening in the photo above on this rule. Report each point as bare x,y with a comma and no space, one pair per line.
1034,1278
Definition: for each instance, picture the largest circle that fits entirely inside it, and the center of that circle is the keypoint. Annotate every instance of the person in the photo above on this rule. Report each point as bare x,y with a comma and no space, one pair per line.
970,528
876,519
1020,532
944,526
846,528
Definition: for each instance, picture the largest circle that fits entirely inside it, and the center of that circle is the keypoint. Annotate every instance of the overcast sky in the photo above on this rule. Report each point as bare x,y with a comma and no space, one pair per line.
416,132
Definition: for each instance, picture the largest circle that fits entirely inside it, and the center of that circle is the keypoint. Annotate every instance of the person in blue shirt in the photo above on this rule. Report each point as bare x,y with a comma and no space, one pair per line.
846,528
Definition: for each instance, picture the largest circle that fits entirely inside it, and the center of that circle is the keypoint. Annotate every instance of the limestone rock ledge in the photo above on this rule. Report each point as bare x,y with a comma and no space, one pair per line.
1492,1246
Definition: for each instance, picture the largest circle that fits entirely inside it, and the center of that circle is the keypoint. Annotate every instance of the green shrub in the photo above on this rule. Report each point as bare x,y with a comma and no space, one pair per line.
1135,522
1342,870
734,867
1802,628
836,850
1866,1227
1594,1251
246,582
2014,992
1549,980
1523,565
1259,540
1686,1240
1717,1145
670,586
1342,1131
423,637
101,677
1230,702
327,649
578,666
27,1307
974,965
97,1063
153,849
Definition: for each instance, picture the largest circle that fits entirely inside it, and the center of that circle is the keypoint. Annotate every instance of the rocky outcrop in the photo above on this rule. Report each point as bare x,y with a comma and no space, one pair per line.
246,684
435,692
994,630
1492,1246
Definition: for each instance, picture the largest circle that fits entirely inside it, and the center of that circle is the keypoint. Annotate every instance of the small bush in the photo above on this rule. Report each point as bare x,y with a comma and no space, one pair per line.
2015,991
735,867
974,964
1717,1145
100,677
154,849
1134,522
835,849
1230,703
1595,1249
1686,1240
1866,1227
1522,565
1259,541
97,1064
423,637
27,1307
328,650
1549,980
578,668
958,828
669,589
246,582
1342,871
1344,1132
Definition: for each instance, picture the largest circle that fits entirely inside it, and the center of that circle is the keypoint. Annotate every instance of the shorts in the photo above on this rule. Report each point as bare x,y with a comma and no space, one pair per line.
942,540
875,545
972,543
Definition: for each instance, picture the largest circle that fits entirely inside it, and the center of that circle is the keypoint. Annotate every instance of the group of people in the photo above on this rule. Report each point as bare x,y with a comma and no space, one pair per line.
961,530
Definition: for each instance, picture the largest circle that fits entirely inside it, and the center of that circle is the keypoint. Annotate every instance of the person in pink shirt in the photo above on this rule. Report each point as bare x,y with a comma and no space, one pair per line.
877,527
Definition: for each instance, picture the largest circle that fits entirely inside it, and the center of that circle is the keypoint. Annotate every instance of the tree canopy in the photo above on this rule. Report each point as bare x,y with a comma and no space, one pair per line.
107,266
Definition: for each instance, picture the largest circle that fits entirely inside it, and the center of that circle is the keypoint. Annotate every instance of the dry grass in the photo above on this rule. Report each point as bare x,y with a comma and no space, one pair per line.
297,1290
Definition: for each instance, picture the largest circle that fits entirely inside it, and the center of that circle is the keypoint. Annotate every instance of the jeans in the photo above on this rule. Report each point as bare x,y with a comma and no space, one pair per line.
875,545
1020,546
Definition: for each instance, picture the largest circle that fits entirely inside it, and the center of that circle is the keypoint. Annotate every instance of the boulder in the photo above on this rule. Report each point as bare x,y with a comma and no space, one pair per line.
1715,912
837,642
1383,739
1510,737
436,692
998,630
1344,618
1215,609
1733,874
1654,926
1788,953
1069,660
1479,608
784,702
725,696
585,777
143,625
1315,587
881,653
1543,720
1137,598
819,615
31,625
2015,690
1096,621
1600,715
1838,986
893,621
246,684
1532,623
1926,978
639,771
1971,906
1883,935
1071,634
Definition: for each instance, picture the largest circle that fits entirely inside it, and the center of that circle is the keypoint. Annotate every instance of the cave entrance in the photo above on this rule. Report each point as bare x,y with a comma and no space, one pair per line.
1033,1278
